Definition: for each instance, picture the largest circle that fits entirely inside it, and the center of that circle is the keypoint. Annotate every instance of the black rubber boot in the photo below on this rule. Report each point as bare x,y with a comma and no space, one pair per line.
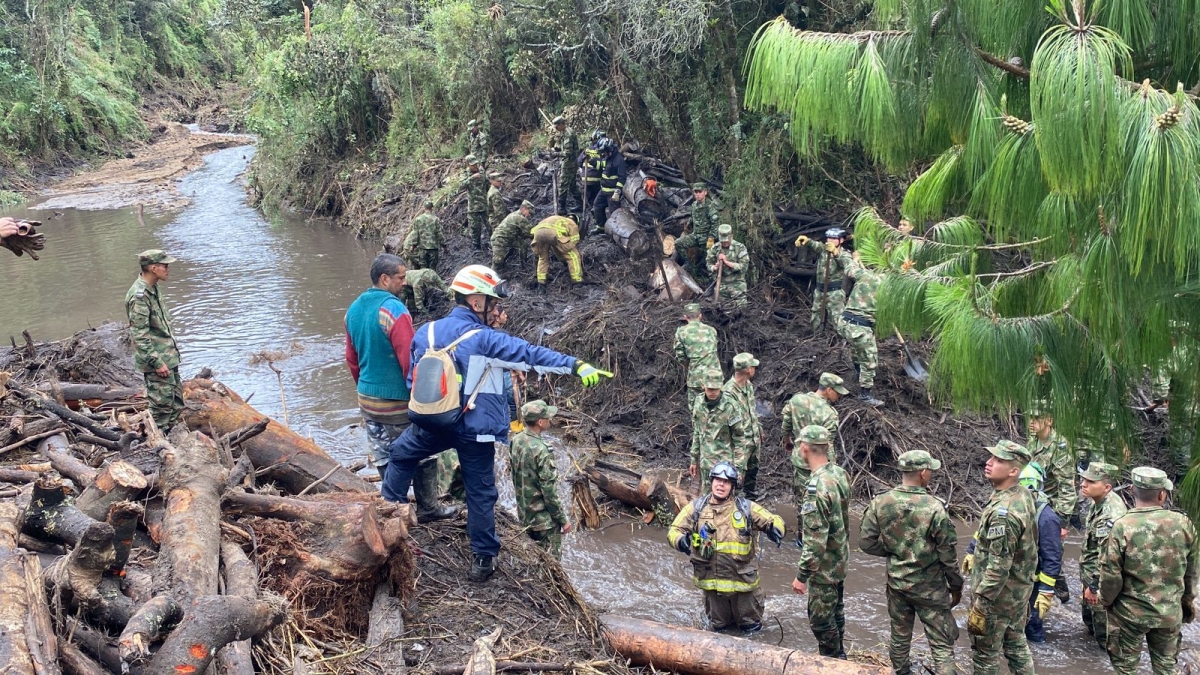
482,569
425,489
864,395
541,288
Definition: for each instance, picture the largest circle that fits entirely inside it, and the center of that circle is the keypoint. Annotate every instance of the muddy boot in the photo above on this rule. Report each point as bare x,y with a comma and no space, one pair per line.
541,288
864,395
751,628
482,568
425,489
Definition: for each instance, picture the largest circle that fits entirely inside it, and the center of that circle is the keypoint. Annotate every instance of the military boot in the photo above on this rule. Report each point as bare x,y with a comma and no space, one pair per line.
482,569
425,489
864,395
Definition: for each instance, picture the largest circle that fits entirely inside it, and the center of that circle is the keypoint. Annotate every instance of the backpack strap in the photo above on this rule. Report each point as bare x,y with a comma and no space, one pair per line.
450,347
698,506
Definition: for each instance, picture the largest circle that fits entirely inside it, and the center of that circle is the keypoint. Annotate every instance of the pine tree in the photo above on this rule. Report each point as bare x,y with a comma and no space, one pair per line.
1054,249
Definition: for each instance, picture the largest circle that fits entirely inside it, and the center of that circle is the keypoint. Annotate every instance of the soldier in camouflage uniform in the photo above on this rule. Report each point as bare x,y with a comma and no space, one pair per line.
913,530
735,258
825,518
808,408
496,207
1107,506
718,430
858,325
154,350
564,142
477,187
424,240
719,532
1052,452
535,479
421,286
740,388
478,143
705,220
1002,567
831,270
696,346
512,235
1148,577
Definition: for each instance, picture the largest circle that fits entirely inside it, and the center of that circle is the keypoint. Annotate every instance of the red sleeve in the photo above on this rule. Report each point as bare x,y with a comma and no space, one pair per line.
351,357
401,335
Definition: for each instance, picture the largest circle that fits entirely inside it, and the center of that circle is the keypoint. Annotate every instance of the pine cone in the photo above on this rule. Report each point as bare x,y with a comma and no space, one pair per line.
1016,125
1170,118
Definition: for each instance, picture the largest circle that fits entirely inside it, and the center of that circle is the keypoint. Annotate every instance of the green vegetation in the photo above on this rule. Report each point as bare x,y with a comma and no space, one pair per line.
1055,247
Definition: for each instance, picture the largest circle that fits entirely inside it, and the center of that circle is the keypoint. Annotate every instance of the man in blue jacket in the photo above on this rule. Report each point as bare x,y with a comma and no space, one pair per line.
482,361
1049,553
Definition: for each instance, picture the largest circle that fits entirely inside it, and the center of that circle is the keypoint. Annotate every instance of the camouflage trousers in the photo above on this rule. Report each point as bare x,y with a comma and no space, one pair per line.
476,227
863,351
449,476
1003,633
1095,619
750,474
1125,640
379,437
734,292
424,259
505,242
165,398
564,252
827,617
549,540
726,611
940,630
418,296
833,306
568,186
693,248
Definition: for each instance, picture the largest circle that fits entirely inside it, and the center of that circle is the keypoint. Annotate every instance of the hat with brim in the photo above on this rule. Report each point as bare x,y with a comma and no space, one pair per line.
1010,451
834,382
1149,478
916,460
155,256
1098,471
815,434
537,410
744,360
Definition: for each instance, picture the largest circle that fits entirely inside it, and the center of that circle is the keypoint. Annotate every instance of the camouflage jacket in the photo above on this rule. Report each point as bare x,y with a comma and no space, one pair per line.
866,288
150,328
837,265
825,520
514,226
802,410
1058,463
1099,524
479,145
425,232
718,434
737,255
535,483
696,347
1148,567
1006,557
744,397
913,530
706,218
427,280
733,525
495,206
477,189
567,145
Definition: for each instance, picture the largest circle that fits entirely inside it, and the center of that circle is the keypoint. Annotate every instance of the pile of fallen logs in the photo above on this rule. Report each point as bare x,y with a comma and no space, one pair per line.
124,551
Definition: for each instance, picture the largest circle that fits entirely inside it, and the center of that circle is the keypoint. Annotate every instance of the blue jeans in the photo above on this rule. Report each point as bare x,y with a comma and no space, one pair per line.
478,462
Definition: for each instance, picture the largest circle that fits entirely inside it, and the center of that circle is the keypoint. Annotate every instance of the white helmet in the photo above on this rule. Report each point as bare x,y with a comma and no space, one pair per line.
480,279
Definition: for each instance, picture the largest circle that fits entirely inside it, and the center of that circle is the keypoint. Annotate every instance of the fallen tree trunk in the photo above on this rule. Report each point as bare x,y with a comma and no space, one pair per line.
288,459
73,391
385,628
192,482
75,662
641,201
211,623
241,580
52,515
31,647
146,626
118,481
647,492
687,650
683,286
38,401
58,451
628,233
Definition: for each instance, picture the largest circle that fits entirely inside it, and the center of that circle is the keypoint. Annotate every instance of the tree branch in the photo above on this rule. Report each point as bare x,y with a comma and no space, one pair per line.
1011,68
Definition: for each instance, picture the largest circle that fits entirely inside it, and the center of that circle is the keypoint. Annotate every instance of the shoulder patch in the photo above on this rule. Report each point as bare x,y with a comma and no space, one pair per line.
1103,530
808,507
1002,512
995,531
140,294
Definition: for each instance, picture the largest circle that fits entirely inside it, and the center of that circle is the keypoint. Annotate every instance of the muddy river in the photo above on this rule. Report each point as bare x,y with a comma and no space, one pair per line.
245,284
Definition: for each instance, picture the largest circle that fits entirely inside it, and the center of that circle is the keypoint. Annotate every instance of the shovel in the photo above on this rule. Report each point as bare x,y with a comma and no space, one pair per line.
912,365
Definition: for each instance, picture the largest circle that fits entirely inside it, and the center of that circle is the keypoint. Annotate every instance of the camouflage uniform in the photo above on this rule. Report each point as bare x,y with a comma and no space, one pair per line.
705,220
857,324
802,410
421,285
477,187
834,301
1101,517
1003,575
825,519
154,346
1147,579
696,346
496,208
563,246
733,279
449,476
718,434
1055,457
479,144
535,481
424,241
752,440
566,144
511,235
913,530
729,578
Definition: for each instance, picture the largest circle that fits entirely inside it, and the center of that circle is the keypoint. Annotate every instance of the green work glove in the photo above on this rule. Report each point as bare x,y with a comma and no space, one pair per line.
968,562
590,374
976,621
1043,603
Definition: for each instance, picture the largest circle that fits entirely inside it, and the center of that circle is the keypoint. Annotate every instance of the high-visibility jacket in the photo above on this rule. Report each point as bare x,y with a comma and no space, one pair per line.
612,173
733,527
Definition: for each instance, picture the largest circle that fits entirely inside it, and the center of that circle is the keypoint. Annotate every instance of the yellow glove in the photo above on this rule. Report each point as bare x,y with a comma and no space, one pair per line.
801,240
968,563
831,246
976,621
1043,603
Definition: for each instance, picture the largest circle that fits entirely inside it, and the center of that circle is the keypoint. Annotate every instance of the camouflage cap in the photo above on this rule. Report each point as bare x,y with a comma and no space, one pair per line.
815,434
472,124
525,203
472,159
713,379
725,232
495,175
699,186
691,309
1101,471
831,381
155,256
1149,478
429,203
915,460
744,360
1010,451
1039,408
558,120
537,410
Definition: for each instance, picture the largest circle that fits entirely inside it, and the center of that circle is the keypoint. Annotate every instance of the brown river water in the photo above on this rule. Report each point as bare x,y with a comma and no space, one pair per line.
245,284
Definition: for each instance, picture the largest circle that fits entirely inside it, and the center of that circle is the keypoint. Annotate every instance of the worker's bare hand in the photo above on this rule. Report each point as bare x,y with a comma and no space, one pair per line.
800,587
1090,598
566,528
8,227
162,371
1064,533
856,257
693,470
